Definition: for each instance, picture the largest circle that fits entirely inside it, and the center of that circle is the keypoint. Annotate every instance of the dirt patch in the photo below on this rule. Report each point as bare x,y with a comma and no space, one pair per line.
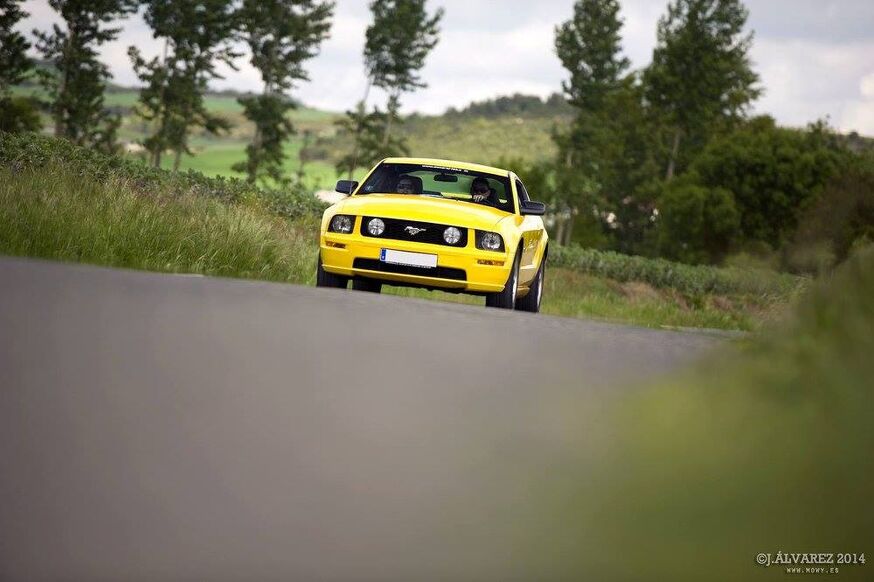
637,292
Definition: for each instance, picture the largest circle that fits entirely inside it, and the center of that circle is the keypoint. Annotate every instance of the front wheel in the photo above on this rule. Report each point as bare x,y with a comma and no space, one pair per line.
326,279
531,302
506,299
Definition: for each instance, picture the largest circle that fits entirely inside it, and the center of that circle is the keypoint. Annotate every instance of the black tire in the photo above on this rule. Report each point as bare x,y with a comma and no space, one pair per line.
326,279
368,285
531,302
506,299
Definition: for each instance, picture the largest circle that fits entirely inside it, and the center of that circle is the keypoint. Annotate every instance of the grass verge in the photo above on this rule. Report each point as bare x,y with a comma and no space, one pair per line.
52,213
759,450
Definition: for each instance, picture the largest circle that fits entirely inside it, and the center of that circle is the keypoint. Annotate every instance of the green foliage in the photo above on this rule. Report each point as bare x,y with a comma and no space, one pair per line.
517,105
15,66
589,47
774,174
281,35
843,215
754,450
697,224
197,35
26,152
77,82
700,76
19,114
606,155
370,133
397,43
662,273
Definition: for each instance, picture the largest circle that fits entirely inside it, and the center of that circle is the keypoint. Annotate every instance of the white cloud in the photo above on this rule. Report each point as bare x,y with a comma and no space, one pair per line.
866,86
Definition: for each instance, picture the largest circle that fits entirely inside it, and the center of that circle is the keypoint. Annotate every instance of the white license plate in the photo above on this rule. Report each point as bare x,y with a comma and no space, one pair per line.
410,259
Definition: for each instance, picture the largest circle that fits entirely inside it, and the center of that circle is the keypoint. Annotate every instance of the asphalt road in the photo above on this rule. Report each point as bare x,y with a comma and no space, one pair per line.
159,427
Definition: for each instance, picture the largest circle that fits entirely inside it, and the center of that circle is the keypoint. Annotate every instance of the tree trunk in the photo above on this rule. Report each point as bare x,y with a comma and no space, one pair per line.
569,229
362,111
60,128
392,106
160,119
559,229
673,159
177,160
301,154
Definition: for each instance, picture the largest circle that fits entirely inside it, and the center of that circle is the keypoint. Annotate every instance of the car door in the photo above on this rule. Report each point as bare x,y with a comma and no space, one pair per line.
532,233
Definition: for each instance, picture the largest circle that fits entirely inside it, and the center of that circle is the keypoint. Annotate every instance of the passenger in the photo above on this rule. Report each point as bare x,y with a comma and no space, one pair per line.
405,185
481,191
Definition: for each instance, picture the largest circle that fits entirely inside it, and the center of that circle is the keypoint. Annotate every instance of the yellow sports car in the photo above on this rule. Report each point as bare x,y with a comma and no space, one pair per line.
437,224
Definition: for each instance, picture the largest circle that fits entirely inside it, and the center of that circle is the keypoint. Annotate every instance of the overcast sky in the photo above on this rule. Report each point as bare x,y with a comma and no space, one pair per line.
815,57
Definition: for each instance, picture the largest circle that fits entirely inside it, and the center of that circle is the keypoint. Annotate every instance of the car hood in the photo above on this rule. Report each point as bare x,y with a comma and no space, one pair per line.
423,208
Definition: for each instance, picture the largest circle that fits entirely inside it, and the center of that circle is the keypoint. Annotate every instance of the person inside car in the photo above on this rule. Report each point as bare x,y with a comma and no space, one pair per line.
408,185
481,191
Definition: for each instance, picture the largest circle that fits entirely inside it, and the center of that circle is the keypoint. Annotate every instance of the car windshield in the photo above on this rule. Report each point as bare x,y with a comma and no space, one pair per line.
443,181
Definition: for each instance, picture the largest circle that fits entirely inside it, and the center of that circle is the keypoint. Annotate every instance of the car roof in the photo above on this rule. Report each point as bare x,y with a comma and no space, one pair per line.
449,164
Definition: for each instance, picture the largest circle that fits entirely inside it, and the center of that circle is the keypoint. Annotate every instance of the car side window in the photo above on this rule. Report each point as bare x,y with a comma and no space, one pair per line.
523,193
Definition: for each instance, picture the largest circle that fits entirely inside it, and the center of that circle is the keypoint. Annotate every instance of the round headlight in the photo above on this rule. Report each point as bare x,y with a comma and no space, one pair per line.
341,223
452,235
491,241
375,227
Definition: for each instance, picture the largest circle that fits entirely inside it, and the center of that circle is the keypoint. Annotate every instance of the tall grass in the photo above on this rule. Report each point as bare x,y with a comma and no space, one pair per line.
54,213
763,450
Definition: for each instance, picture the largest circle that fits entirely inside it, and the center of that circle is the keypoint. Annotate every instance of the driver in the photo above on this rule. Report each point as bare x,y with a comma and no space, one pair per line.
480,190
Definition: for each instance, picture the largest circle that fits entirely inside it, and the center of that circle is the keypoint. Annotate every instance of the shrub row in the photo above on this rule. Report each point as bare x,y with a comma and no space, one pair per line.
24,151
691,279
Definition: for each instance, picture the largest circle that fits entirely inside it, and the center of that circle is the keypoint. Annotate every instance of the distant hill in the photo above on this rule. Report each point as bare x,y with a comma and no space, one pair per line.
516,105
514,126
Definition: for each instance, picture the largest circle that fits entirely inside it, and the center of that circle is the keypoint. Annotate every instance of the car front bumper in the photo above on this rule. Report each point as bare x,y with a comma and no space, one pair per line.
339,252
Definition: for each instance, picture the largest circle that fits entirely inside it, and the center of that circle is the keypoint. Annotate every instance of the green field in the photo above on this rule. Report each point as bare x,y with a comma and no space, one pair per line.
477,140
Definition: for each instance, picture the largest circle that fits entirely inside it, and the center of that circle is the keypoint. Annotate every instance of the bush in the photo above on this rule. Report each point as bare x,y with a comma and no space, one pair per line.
697,224
667,274
19,114
842,218
30,151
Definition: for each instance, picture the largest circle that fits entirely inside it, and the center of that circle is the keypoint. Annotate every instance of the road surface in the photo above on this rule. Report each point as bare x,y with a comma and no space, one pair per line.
160,427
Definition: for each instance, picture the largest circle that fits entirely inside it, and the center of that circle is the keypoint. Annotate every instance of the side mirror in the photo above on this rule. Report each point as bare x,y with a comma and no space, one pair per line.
533,208
346,186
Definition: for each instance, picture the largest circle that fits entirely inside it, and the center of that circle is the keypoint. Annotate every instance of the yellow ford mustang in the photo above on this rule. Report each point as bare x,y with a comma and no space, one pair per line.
437,224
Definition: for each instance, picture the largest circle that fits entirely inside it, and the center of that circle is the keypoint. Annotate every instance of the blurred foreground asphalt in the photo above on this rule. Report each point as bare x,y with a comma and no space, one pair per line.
159,427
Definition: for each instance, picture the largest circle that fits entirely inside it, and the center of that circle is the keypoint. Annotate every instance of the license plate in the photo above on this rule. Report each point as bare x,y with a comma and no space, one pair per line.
410,259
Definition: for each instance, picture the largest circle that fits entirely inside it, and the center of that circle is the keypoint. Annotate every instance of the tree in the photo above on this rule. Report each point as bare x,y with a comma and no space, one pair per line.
371,145
700,77
397,43
774,173
78,80
16,113
198,35
281,34
14,62
843,215
589,47
605,153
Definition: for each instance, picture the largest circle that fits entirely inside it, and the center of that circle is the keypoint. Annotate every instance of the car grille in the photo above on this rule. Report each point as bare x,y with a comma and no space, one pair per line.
433,233
438,272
